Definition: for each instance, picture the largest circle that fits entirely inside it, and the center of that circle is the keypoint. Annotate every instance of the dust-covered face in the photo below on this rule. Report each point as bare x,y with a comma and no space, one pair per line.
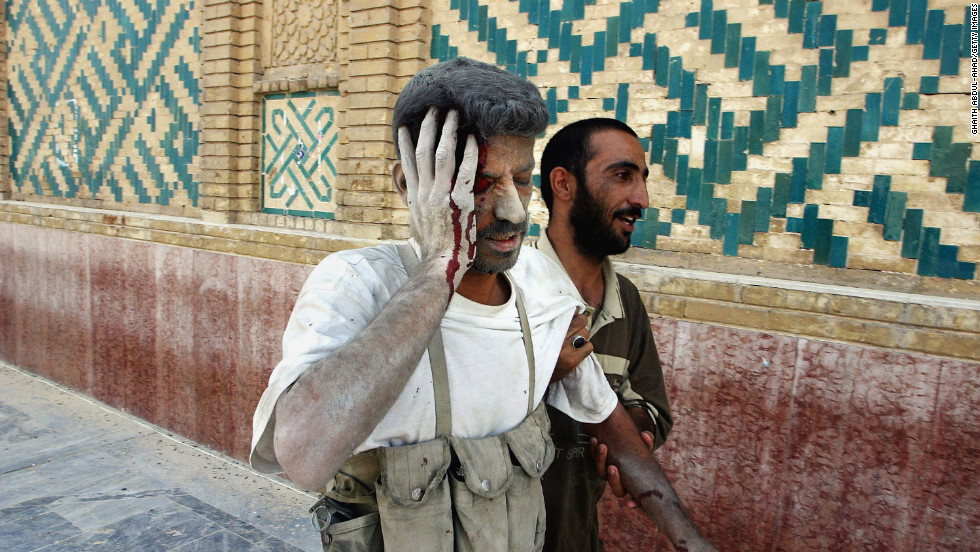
502,192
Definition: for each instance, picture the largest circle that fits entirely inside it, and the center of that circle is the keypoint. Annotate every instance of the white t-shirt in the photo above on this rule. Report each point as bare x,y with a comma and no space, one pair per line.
485,356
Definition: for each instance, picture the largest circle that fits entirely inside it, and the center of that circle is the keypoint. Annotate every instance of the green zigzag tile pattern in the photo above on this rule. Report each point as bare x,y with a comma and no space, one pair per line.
727,146
107,95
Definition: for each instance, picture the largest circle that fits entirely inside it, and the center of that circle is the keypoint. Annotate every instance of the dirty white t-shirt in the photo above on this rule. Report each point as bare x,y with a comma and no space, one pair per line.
485,355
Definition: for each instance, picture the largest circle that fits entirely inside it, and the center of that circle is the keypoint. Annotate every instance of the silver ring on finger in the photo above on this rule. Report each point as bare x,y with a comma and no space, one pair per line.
579,341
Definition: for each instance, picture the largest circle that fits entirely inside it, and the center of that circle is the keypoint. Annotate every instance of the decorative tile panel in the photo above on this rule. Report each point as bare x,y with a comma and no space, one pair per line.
769,120
299,170
104,100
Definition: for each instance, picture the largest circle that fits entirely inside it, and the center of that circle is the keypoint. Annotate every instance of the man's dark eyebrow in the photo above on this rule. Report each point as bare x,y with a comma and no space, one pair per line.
625,164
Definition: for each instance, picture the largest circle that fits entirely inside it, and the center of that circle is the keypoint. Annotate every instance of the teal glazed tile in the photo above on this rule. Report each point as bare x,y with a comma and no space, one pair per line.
797,189
687,90
586,70
532,70
649,51
774,114
598,53
562,106
921,150
880,5
781,8
706,199
677,215
917,21
733,40
898,14
727,125
670,157
838,251
794,224
852,132
971,196
942,137
929,85
608,104
910,101
878,36
719,208
612,36
929,252
823,235
554,29
542,56
662,73
746,226
657,143
740,146
638,237
636,49
694,182
946,263
956,174
842,56
730,243
949,60
828,30
912,233
933,39
756,124
760,74
714,117
797,10
623,101
862,198
826,62
859,53
683,123
811,24
565,43
879,198
808,235
777,79
551,100
700,104
891,101
872,118
707,9
895,215
691,20
815,166
676,84
664,229
763,209
808,89
746,58
966,271
576,58
624,23
710,160
723,174
791,98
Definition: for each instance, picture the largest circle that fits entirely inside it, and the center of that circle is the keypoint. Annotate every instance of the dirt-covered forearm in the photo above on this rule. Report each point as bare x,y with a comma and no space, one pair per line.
645,480
339,400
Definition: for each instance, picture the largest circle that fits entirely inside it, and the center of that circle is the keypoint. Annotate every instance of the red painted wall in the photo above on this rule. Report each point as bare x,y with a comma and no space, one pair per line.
780,443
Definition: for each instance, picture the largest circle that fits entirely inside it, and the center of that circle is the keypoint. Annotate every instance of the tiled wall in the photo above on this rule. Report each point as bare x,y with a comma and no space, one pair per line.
780,443
104,102
830,132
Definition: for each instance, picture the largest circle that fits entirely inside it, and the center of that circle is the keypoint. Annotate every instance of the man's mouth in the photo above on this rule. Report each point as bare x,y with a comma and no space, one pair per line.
505,243
628,221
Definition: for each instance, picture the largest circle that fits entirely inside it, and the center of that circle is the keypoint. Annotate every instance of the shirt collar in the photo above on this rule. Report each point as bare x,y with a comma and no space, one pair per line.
612,303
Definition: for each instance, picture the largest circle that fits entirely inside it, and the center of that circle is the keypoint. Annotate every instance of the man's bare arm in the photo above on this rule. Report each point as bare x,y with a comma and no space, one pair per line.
646,481
341,398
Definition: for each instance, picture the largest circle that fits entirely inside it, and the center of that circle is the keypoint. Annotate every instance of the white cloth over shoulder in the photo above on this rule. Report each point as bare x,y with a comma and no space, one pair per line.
485,355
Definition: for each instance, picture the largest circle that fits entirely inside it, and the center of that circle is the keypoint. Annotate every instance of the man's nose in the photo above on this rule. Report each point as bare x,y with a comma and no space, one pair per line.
639,195
509,206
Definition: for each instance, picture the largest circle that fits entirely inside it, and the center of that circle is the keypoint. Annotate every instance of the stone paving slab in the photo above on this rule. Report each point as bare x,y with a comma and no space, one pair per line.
79,475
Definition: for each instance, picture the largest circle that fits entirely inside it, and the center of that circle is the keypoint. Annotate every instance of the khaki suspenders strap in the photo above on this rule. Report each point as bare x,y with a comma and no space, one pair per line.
437,358
528,348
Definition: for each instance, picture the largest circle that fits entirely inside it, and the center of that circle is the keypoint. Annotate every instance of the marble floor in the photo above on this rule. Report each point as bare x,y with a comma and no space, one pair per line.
78,475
